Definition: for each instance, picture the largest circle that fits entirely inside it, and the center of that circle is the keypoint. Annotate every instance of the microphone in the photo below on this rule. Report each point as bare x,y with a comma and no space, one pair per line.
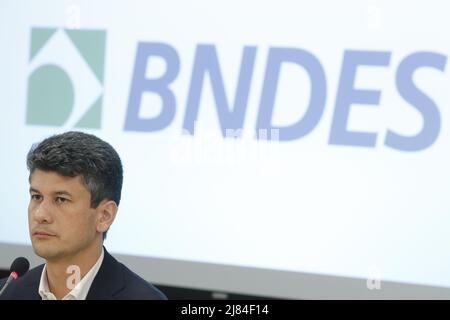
18,268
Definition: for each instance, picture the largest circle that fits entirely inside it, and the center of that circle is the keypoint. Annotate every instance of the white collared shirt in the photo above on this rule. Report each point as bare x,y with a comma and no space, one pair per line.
80,291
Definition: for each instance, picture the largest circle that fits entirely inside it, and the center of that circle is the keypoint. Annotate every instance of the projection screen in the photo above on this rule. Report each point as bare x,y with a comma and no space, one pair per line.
288,149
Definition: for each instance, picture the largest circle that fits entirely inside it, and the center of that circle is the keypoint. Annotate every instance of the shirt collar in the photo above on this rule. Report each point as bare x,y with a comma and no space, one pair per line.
79,292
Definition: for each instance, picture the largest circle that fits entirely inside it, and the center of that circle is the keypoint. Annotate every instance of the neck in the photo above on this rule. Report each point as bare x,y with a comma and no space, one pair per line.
58,271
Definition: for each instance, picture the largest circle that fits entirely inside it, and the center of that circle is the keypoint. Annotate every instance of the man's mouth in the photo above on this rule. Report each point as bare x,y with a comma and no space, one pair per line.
43,234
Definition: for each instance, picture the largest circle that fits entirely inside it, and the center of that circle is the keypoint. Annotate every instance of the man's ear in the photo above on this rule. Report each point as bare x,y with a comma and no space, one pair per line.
106,213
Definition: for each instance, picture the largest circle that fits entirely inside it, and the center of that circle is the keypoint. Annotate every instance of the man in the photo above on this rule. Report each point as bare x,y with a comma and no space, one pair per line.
75,187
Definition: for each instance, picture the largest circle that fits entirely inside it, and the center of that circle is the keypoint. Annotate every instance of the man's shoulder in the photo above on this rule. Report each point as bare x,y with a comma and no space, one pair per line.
25,287
138,287
115,281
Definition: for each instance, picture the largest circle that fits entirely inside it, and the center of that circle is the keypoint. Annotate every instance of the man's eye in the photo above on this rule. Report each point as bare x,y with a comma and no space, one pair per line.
61,200
36,197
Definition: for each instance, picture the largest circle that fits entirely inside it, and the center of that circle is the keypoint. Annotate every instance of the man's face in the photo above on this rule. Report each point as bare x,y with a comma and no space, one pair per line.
60,218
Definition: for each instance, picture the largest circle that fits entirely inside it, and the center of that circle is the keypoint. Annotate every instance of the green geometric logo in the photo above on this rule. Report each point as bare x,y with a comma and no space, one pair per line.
65,82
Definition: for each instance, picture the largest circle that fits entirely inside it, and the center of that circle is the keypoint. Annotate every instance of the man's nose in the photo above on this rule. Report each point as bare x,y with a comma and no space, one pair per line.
42,212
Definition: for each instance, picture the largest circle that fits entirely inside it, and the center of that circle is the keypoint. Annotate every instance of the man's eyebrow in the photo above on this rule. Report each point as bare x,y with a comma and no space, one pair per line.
62,192
59,192
34,190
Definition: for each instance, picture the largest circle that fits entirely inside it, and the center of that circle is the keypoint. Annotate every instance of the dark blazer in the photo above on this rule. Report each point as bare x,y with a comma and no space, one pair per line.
113,281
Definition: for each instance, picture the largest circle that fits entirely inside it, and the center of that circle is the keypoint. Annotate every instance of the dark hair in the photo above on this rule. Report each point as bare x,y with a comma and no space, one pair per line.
80,154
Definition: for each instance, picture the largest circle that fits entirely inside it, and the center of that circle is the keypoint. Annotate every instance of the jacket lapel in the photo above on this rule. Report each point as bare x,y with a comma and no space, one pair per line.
108,281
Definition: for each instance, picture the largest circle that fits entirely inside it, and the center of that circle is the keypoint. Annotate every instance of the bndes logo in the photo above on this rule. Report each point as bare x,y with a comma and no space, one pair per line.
66,77
65,88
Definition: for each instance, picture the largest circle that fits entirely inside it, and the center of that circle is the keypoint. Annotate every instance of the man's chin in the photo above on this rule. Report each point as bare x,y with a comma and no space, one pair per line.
46,251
